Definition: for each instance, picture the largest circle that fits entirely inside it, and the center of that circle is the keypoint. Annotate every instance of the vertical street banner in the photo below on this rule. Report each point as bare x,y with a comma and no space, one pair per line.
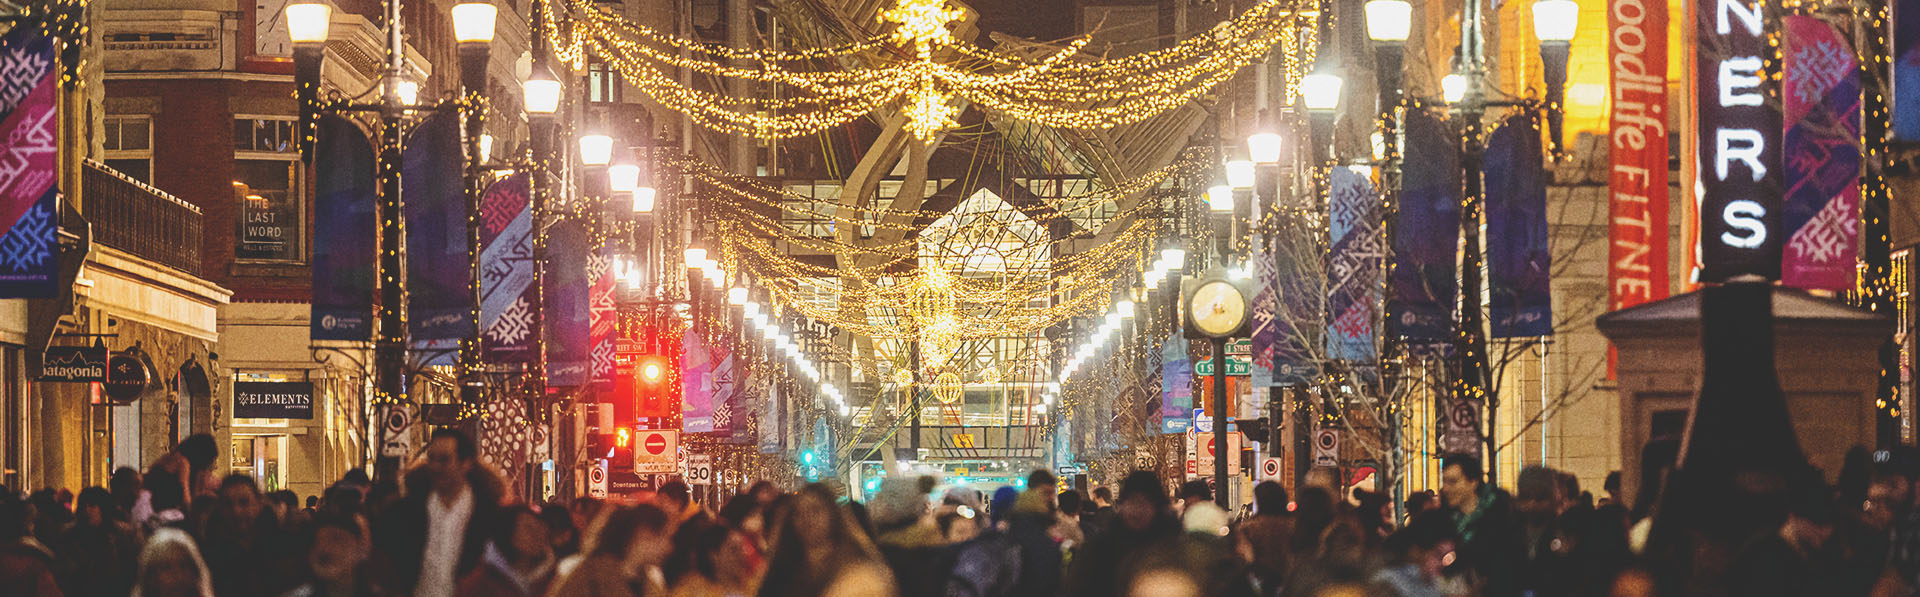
698,365
1265,302
566,316
432,187
1637,155
1520,298
1906,70
1426,236
343,259
1176,385
769,419
507,294
1353,265
1298,316
29,162
602,317
1739,142
1820,100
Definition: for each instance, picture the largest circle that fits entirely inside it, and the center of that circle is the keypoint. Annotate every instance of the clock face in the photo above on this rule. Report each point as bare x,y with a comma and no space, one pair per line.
270,36
1218,308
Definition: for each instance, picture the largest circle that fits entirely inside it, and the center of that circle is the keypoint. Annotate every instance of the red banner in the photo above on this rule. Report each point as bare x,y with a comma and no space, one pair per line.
1637,207
1820,215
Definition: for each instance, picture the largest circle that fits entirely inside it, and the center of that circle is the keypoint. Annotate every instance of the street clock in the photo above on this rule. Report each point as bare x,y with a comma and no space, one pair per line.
1216,306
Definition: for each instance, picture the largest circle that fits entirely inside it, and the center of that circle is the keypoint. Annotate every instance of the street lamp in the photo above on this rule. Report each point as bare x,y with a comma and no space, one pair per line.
1264,145
596,149
473,30
542,93
1389,20
1453,88
623,177
1220,198
1320,92
1240,173
1554,22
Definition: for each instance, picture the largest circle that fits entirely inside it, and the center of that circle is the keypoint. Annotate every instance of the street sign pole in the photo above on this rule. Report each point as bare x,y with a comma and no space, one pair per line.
1220,418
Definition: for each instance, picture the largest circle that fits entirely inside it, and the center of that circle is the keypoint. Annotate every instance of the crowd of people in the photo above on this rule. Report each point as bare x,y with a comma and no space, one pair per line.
447,528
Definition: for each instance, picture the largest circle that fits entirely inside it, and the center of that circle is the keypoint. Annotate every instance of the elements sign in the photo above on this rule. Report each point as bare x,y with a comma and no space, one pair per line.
1739,143
74,364
273,400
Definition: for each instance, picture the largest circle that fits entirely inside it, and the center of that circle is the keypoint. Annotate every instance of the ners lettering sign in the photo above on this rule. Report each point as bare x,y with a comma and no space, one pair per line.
1739,143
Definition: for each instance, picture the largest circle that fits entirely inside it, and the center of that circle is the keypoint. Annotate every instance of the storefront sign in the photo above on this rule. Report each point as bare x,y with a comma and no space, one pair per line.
127,377
273,400
74,364
1637,141
1739,143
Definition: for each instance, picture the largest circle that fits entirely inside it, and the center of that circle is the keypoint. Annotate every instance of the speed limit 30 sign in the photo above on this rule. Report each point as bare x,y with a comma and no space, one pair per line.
700,469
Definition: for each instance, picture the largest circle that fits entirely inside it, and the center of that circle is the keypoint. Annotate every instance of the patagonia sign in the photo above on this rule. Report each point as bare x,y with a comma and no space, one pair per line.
273,400
76,364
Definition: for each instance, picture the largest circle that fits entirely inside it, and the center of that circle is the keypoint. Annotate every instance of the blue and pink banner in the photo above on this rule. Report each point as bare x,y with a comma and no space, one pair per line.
1426,235
1176,385
507,294
1266,302
602,316
706,378
29,160
343,259
1520,296
1820,97
568,321
439,289
1353,265
1906,70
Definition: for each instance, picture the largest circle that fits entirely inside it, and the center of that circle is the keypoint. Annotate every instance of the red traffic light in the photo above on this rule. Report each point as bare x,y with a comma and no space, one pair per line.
652,371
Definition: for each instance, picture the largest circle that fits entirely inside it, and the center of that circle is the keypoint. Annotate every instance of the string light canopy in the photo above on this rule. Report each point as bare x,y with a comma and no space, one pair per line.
1061,89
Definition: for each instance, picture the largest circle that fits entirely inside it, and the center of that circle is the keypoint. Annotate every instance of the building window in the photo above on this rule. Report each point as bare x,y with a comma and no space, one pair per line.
266,184
129,146
603,83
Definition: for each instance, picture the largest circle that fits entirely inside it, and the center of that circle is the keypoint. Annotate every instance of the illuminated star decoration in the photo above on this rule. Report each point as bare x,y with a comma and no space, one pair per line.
924,23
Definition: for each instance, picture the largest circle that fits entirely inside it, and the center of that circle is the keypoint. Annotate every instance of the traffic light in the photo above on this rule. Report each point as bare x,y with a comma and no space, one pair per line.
651,391
619,446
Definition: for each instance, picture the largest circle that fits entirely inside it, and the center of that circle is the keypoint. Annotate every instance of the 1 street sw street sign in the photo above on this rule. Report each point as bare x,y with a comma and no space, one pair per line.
656,451
1236,365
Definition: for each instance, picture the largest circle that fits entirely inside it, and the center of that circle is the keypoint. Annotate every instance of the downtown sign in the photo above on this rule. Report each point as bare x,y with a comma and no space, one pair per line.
1739,132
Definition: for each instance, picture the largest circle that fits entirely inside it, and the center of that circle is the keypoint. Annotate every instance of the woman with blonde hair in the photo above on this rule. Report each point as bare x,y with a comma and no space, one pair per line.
170,566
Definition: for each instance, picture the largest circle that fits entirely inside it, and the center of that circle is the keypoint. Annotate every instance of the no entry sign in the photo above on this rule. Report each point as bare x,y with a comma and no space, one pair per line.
656,451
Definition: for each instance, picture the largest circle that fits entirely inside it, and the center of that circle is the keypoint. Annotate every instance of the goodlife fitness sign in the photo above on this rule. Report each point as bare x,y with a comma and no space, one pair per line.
1637,204
1739,143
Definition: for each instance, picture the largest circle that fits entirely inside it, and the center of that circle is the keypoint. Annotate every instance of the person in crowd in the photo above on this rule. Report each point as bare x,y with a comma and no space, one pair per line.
1097,516
235,538
1483,518
25,564
908,539
818,550
1421,502
988,563
1266,536
1417,557
97,554
1194,492
1143,520
1536,503
677,499
622,556
1795,560
709,560
1066,526
743,516
437,532
518,561
336,559
1029,525
165,496
50,516
124,485
201,451
170,566
563,538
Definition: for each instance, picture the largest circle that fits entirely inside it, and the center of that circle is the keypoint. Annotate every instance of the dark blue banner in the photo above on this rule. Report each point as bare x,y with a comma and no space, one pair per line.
1520,299
1353,265
29,224
1426,234
569,322
343,252
1296,324
1906,70
439,291
508,298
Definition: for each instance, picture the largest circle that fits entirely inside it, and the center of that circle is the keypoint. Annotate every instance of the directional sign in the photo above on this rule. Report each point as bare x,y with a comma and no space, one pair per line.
656,450
1236,365
1270,468
1326,447
700,469
597,479
1240,347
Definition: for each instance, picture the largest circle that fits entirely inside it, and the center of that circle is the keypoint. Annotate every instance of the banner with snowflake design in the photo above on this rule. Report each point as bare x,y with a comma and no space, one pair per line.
507,294
706,377
28,162
603,318
505,441
1353,265
1820,94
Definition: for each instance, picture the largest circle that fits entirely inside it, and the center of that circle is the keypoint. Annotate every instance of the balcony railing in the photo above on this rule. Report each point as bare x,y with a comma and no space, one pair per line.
142,220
